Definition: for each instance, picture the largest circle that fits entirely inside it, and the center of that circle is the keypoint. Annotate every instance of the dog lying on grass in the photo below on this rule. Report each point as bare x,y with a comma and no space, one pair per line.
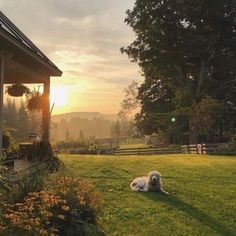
150,183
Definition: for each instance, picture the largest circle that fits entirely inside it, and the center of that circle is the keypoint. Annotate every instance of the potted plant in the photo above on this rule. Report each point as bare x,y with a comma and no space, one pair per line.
35,101
17,90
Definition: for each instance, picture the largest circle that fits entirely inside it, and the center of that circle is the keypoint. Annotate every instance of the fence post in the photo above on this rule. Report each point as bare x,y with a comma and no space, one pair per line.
139,151
187,148
201,148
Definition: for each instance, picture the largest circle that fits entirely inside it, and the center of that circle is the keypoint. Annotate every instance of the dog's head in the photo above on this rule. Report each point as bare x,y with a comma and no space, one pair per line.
154,176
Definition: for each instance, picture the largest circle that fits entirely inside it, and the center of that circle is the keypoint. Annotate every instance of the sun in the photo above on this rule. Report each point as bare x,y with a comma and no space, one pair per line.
58,96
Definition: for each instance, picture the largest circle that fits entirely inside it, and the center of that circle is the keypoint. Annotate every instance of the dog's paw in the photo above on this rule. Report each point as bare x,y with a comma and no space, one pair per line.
164,192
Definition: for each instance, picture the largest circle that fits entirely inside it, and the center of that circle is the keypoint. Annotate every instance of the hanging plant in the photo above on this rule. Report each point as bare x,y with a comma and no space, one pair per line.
35,101
17,90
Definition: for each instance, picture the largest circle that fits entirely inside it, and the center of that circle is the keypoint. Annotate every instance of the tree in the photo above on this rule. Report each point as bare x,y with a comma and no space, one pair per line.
116,131
10,114
68,137
22,122
205,114
130,101
81,136
187,51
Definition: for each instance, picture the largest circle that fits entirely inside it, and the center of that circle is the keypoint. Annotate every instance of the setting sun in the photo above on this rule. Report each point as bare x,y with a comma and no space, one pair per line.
58,96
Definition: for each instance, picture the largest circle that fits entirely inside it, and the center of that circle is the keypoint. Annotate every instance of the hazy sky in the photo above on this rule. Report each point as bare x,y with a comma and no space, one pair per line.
83,38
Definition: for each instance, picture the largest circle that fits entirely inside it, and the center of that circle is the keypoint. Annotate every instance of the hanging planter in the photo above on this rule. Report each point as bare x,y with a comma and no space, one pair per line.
35,101
17,90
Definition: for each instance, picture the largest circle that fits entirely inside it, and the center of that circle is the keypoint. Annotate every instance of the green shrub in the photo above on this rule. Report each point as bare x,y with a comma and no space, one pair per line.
43,153
9,143
233,141
16,191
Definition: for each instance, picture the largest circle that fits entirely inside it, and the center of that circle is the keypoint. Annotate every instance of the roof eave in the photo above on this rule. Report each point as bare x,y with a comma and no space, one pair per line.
49,65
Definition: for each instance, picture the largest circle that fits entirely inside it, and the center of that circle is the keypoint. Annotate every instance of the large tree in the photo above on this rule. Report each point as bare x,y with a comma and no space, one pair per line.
187,51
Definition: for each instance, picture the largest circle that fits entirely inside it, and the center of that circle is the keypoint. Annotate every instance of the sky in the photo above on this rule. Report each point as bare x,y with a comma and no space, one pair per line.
83,38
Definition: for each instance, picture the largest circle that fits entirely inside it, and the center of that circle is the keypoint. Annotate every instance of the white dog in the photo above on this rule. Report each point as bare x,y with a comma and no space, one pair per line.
151,183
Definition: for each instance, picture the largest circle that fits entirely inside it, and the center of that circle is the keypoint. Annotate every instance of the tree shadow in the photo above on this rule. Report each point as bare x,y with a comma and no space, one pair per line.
192,211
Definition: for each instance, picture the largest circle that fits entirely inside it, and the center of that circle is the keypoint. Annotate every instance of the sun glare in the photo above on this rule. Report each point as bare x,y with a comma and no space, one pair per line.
59,96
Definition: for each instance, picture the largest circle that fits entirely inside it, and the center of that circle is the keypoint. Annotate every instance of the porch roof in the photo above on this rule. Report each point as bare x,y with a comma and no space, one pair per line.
25,62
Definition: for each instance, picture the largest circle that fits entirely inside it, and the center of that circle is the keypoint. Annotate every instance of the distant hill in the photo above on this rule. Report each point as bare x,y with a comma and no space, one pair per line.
92,124
83,115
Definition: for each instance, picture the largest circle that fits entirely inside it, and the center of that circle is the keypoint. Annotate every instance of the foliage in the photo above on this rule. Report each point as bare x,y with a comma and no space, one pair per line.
18,190
77,147
35,101
4,186
9,143
232,142
23,121
20,121
186,51
123,128
81,136
70,144
205,114
68,209
93,125
41,152
130,101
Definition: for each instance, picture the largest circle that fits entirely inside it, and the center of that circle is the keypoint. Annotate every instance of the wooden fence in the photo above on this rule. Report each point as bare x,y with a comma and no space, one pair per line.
209,148
147,151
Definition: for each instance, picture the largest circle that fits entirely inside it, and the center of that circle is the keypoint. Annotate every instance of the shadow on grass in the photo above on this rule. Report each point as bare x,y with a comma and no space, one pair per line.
192,211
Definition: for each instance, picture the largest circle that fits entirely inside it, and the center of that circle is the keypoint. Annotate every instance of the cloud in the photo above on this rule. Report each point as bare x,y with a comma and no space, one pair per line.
83,38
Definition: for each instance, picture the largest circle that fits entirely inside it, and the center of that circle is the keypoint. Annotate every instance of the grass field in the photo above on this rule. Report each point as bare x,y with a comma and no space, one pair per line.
202,191
137,145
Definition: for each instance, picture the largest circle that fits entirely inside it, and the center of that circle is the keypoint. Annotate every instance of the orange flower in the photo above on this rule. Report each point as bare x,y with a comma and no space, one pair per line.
65,208
61,217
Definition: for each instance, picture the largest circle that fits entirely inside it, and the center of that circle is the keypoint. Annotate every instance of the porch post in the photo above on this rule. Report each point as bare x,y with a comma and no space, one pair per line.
1,101
46,111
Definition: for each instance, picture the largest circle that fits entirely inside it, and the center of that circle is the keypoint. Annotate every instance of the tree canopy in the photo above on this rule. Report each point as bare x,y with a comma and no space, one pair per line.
187,52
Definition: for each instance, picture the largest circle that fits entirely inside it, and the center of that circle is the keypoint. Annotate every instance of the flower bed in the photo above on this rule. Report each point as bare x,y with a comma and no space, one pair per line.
66,206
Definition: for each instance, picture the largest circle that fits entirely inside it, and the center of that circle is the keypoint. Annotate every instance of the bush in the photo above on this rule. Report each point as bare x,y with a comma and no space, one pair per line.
43,153
84,202
16,190
66,206
232,142
9,143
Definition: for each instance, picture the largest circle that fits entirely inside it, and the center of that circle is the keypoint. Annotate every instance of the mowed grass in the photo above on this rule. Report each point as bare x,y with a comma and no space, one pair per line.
137,145
202,191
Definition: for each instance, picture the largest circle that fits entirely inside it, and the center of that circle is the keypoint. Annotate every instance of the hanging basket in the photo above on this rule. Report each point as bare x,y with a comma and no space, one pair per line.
35,101
17,90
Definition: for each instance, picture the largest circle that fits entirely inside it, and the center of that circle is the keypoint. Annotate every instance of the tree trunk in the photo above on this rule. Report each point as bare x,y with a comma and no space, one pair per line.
193,133
201,78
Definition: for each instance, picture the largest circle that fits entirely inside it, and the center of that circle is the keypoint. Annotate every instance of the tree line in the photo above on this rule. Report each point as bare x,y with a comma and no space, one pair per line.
82,129
19,121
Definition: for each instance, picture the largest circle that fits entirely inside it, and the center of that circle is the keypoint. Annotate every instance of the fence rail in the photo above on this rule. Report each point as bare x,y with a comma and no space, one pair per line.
209,148
146,151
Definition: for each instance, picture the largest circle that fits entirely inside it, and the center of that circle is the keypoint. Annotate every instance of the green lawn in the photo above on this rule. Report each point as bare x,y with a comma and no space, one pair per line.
136,145
202,191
